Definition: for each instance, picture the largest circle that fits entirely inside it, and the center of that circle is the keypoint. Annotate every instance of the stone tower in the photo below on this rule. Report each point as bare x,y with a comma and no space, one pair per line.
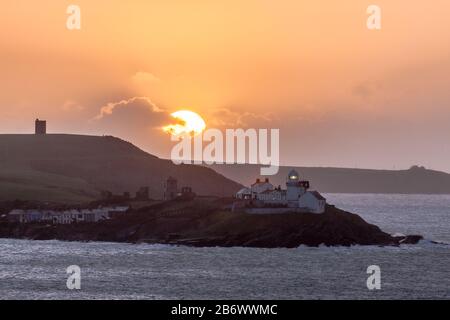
40,126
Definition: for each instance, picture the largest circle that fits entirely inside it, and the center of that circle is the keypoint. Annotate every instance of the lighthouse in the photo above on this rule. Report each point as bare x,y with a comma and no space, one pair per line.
295,188
262,197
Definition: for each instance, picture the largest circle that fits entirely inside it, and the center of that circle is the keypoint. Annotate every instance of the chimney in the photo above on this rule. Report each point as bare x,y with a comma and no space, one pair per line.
267,180
258,180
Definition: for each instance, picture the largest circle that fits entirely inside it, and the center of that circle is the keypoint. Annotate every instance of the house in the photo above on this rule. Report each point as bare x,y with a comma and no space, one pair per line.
276,196
244,193
261,186
65,216
295,197
313,201
24,216
117,211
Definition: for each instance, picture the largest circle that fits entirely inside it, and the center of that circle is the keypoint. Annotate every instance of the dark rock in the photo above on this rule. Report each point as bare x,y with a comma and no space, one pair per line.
410,239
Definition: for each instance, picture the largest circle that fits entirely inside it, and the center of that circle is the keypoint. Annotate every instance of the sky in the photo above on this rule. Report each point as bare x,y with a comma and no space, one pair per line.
342,95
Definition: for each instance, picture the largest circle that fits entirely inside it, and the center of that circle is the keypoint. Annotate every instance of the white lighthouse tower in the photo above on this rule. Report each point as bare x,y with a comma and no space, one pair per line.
295,188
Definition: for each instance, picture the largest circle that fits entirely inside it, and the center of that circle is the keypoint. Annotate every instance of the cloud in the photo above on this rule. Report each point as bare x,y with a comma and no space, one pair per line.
70,105
109,108
136,119
365,89
145,78
227,118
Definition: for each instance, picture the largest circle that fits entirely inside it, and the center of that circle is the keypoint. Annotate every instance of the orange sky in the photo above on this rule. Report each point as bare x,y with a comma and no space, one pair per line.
342,95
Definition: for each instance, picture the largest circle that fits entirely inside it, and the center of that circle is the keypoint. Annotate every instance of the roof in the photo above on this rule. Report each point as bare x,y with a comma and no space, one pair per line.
118,209
293,172
317,195
261,183
17,211
244,191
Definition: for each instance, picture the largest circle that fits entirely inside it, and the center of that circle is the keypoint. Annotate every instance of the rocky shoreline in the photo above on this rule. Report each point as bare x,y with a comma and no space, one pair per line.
206,224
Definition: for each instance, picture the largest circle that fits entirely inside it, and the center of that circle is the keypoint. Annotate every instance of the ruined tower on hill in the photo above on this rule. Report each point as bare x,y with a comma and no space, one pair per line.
40,127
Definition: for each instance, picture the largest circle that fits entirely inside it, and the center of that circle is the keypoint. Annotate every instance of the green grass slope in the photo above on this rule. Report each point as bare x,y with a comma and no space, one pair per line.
75,168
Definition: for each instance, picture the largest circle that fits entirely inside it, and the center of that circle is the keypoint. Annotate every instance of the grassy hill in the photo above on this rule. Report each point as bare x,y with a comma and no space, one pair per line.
75,168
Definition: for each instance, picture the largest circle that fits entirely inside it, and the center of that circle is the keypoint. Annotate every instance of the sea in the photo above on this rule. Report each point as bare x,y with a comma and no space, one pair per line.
38,269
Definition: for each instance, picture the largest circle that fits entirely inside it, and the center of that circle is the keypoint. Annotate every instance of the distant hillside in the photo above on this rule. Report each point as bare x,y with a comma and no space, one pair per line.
76,168
415,180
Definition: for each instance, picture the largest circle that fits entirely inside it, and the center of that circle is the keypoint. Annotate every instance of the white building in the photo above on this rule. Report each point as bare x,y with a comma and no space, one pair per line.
313,201
272,196
296,196
65,216
244,193
261,186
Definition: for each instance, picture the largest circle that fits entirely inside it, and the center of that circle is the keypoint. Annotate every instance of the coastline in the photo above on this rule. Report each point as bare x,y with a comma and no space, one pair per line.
204,224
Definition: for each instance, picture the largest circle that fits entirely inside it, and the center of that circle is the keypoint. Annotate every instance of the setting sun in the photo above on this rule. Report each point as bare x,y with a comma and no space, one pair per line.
188,122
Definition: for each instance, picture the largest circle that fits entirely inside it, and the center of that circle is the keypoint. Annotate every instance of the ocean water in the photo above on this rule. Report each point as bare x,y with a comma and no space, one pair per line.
37,269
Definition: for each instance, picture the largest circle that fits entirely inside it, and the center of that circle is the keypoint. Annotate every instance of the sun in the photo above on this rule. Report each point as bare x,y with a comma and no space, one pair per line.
188,122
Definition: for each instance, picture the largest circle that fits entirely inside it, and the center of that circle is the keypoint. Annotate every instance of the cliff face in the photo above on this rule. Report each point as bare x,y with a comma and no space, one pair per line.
197,223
